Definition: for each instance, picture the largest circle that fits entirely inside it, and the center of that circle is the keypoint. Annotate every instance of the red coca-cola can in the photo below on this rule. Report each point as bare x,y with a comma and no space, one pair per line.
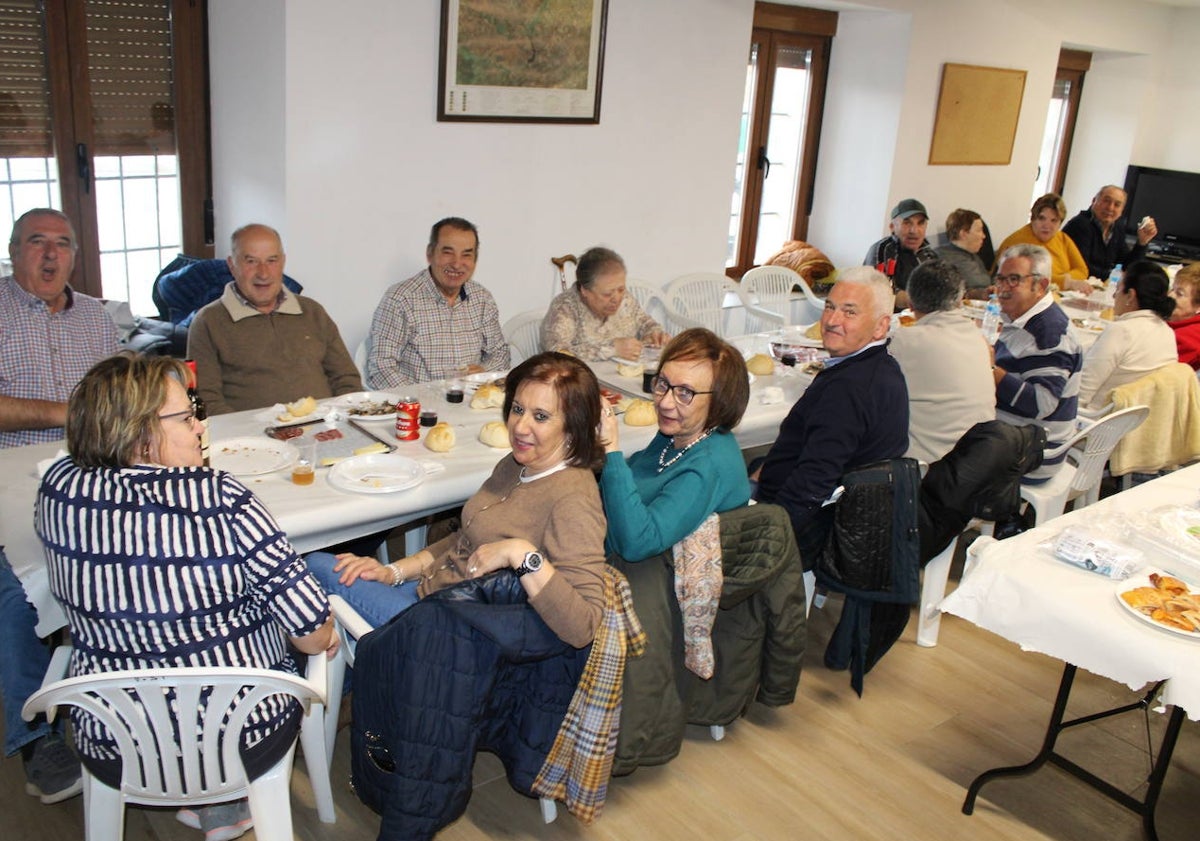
408,418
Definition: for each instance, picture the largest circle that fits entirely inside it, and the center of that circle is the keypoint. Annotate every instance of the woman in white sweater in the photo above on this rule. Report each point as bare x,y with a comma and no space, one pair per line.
1138,341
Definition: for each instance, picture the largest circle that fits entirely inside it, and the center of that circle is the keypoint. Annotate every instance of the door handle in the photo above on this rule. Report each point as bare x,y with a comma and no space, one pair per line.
764,163
83,166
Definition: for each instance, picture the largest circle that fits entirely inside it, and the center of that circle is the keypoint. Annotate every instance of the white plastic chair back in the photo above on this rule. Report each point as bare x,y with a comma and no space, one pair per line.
766,292
1102,438
360,358
524,334
700,299
650,299
202,764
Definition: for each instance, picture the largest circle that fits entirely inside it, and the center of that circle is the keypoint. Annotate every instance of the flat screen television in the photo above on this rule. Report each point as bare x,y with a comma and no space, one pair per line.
1173,199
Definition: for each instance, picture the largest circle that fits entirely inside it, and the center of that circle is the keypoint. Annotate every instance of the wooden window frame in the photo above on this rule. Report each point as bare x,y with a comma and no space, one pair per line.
1072,66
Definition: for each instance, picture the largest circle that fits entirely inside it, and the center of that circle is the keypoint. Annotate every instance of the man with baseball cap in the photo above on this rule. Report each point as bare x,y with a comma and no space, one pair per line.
905,249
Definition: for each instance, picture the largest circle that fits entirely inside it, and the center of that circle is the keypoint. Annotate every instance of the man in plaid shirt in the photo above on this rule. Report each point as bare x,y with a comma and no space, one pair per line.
439,322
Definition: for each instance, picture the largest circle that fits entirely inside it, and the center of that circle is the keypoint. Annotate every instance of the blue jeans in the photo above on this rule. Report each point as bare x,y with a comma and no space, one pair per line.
23,661
375,602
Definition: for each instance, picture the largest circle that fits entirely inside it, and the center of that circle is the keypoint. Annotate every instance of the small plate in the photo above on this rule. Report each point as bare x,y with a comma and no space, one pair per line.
251,456
348,403
1133,611
280,417
472,382
380,473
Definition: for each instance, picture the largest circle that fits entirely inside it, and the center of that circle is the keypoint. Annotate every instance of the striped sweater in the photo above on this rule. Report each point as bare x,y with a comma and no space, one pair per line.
1042,361
172,567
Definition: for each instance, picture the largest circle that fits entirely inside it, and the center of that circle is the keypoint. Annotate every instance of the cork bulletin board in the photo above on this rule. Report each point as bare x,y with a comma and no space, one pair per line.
977,115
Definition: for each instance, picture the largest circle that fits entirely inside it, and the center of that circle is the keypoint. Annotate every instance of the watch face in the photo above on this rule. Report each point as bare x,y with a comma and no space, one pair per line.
532,563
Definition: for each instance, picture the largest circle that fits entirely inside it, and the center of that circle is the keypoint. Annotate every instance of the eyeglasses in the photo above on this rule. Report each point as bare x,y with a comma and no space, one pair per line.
188,415
1011,280
660,385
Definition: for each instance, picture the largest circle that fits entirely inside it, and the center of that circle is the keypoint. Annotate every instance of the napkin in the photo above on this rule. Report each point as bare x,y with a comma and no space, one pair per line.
431,467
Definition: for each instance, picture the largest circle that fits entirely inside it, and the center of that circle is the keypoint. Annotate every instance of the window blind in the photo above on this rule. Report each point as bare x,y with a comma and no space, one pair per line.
24,84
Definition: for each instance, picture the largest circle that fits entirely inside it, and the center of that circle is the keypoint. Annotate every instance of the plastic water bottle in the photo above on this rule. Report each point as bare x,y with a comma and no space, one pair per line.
1110,288
991,320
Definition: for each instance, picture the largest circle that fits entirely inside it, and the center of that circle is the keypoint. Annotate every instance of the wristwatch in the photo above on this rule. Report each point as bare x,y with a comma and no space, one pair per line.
532,563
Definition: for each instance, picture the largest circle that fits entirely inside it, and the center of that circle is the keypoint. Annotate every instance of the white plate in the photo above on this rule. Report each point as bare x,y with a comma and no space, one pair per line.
252,455
622,361
280,417
1133,611
796,337
347,402
472,382
380,473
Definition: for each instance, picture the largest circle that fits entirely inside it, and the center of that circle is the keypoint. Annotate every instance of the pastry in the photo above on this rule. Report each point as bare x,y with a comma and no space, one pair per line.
440,438
488,396
1166,582
1144,599
626,369
640,413
495,434
761,365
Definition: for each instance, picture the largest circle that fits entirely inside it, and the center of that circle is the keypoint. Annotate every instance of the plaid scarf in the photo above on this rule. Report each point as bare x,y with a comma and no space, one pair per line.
579,765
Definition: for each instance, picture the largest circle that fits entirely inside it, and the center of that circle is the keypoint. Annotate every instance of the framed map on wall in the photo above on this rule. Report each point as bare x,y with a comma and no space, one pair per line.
521,61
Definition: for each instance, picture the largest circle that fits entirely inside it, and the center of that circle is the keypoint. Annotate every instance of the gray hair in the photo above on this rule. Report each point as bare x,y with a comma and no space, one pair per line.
14,239
1038,257
877,282
253,227
595,262
935,286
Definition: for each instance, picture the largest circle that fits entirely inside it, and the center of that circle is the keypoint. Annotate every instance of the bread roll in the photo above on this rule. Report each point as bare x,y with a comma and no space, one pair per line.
488,396
440,438
626,370
761,365
640,413
813,332
300,408
495,434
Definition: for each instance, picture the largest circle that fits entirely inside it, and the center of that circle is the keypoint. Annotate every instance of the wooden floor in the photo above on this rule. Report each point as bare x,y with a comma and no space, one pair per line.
892,765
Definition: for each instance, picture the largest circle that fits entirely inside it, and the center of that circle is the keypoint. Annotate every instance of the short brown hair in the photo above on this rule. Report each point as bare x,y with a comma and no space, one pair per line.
1051,201
112,416
731,381
959,222
578,396
1189,276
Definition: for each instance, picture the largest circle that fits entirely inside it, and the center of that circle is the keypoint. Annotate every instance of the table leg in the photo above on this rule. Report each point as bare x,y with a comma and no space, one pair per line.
1144,807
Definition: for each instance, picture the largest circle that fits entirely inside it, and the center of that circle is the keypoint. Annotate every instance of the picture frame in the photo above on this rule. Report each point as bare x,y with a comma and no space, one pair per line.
522,62
977,114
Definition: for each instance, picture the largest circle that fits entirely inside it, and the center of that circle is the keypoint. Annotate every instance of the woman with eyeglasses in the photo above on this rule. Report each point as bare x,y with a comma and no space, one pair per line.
161,562
693,467
595,319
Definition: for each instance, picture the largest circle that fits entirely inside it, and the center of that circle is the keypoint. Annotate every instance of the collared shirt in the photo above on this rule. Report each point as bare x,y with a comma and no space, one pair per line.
43,354
569,325
834,360
417,336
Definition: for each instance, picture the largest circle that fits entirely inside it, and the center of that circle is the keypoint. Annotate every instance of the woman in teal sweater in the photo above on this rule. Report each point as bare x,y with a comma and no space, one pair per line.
693,466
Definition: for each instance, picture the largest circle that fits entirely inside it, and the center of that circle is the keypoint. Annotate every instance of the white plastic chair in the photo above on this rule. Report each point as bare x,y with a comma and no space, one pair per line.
160,769
524,334
699,300
352,627
650,299
1079,477
360,358
936,576
766,293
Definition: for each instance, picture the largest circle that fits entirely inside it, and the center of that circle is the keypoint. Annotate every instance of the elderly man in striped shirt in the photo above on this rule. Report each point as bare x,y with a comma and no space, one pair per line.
1036,361
50,336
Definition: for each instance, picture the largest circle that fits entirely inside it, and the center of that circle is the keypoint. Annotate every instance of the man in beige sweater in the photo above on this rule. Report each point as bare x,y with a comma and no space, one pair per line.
259,343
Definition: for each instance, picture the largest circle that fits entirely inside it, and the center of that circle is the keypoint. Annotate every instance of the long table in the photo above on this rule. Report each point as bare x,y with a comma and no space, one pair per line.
1049,606
319,515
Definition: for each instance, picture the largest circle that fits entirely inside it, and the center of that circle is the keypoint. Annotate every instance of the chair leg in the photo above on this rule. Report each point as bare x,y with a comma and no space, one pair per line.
336,682
318,753
414,539
933,590
103,811
549,809
270,801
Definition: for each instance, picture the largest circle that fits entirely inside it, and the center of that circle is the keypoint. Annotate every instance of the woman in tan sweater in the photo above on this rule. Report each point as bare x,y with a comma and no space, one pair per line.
538,514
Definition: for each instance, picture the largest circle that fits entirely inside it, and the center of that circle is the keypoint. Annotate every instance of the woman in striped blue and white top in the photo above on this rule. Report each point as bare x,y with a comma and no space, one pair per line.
160,562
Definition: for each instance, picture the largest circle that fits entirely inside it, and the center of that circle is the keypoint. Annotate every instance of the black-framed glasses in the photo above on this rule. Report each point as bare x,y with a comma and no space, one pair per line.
660,385
188,415
1011,280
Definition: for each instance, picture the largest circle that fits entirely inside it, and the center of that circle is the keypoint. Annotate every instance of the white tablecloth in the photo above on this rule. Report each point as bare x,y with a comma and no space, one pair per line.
1049,606
319,515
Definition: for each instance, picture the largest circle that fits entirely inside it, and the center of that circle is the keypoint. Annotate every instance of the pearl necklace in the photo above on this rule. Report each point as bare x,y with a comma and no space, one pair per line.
663,464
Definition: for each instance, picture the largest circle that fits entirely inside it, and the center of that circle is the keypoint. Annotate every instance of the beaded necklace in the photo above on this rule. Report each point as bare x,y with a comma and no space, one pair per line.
663,464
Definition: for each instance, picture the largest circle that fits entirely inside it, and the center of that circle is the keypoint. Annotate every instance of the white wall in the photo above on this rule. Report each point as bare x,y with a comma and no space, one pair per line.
368,168
324,125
